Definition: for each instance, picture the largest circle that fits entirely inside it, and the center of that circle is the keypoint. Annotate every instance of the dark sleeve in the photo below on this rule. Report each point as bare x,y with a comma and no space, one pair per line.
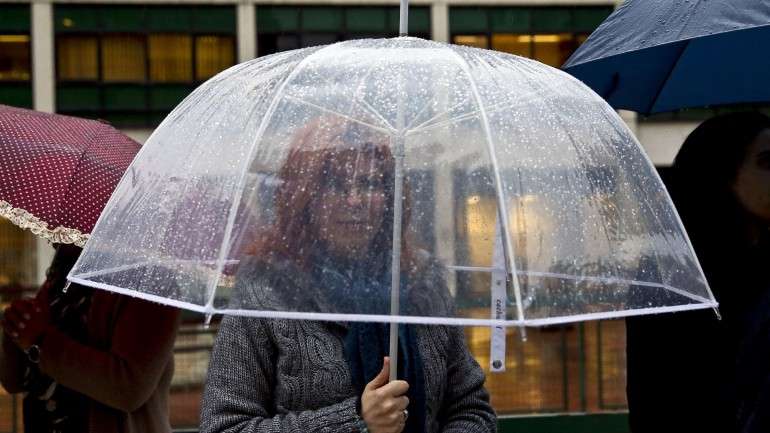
466,406
239,391
13,365
126,374
753,375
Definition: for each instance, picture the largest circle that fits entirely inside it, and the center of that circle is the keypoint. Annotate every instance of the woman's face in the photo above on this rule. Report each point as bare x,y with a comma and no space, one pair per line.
350,212
752,182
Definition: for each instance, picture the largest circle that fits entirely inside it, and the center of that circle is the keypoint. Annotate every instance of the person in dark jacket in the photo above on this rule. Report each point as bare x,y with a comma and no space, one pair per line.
692,371
328,251
88,360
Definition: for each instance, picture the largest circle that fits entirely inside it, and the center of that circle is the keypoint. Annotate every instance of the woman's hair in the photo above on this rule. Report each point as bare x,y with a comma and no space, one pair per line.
705,169
317,152
701,188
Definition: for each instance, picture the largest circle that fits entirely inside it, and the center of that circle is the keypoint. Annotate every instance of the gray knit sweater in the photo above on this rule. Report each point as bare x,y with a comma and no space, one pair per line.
271,375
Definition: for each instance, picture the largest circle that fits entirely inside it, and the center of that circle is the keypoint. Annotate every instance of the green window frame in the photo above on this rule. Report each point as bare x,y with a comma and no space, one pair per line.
15,24
142,99
546,33
281,28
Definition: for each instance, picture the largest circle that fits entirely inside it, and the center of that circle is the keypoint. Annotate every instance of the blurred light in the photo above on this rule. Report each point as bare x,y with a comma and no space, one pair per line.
524,39
478,41
14,39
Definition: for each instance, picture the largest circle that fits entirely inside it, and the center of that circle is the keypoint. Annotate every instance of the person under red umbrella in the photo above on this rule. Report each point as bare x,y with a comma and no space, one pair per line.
88,360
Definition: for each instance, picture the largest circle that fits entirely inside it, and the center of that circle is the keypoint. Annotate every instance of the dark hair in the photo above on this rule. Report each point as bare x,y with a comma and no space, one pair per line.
701,188
705,168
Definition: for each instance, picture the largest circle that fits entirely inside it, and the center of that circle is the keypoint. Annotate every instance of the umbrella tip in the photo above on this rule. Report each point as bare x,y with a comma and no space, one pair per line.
207,322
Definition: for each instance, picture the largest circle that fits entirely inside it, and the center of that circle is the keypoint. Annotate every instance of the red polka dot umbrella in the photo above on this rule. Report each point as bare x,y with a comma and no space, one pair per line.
57,172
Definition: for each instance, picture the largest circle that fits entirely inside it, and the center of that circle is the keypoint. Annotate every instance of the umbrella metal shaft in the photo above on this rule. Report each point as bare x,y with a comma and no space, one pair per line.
403,22
395,282
398,211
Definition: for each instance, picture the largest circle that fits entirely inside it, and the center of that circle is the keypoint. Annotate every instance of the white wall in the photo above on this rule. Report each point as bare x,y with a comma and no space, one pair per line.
662,140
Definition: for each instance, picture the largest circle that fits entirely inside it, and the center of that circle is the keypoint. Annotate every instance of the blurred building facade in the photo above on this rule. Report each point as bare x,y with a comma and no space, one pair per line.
130,62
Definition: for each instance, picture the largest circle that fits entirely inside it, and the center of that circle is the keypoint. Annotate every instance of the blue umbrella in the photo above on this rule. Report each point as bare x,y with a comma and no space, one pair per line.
652,56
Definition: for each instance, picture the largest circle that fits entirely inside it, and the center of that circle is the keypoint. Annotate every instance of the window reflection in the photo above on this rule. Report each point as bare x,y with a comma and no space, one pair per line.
478,41
170,58
213,54
123,58
552,49
520,45
14,57
77,58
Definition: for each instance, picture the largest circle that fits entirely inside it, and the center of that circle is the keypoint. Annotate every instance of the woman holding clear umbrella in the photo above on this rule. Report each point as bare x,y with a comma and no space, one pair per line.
721,186
330,243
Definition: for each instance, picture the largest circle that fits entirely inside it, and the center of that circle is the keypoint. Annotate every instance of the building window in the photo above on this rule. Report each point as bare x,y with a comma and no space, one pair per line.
131,65
124,58
212,54
281,28
170,58
15,55
547,34
18,261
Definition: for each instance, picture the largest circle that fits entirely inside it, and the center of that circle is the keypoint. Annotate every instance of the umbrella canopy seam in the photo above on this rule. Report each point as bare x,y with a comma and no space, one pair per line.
277,97
103,130
569,65
502,214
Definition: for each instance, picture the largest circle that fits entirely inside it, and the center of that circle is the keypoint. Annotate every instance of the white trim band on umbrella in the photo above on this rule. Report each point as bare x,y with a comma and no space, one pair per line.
28,221
384,318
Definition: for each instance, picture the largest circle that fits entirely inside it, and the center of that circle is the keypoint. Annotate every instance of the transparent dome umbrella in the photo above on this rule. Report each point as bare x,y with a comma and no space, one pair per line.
378,180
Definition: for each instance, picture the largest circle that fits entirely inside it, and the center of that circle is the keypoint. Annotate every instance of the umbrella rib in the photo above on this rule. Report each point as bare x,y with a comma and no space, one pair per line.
427,122
679,221
366,105
419,113
225,246
337,113
374,111
681,292
654,100
491,109
613,314
502,214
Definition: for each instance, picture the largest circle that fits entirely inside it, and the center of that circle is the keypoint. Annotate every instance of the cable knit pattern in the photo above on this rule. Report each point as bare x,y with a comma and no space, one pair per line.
271,375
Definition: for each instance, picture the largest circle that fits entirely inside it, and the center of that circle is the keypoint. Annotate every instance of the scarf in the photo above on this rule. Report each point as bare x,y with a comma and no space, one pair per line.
356,291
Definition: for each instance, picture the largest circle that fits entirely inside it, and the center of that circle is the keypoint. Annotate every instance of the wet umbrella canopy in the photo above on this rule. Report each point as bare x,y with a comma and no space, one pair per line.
652,56
317,183
57,172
